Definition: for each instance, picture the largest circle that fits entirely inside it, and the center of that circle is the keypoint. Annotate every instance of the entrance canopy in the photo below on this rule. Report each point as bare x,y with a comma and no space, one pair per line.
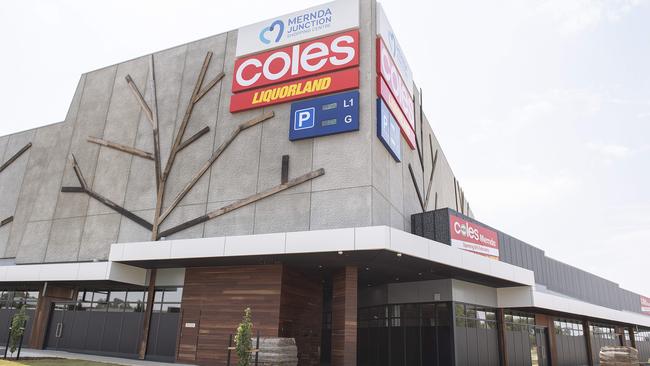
381,253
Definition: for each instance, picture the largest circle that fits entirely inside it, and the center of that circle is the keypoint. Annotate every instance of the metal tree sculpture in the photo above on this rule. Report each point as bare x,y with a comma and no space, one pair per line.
162,173
424,201
4,166
462,205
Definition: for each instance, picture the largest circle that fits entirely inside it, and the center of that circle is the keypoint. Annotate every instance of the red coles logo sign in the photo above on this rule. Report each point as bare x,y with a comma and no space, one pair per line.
387,69
645,305
272,77
298,61
384,92
473,237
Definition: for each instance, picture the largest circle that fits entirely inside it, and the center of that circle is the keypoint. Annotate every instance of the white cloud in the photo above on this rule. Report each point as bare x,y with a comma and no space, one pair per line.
615,151
526,188
574,16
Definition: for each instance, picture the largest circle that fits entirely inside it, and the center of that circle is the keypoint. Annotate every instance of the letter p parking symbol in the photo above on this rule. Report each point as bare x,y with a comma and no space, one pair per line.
304,118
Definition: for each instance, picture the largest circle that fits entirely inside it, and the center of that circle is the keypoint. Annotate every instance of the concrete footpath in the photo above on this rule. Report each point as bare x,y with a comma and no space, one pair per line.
27,352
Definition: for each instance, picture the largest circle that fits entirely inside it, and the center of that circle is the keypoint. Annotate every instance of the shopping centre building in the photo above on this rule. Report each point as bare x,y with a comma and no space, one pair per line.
286,166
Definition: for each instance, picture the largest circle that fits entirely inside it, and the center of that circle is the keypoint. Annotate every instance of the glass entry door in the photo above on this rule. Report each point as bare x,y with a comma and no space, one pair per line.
539,346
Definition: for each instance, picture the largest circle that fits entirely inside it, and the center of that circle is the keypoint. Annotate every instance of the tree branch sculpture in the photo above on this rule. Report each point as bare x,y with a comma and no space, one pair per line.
179,143
4,166
423,197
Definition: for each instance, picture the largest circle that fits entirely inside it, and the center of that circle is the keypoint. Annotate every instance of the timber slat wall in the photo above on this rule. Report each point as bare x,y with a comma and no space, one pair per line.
344,317
214,298
301,313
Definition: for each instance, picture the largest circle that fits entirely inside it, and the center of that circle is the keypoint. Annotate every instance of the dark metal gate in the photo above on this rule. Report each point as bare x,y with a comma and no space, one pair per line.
95,330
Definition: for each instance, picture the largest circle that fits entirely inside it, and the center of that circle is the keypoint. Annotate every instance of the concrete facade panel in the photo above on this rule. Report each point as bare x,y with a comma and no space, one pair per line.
341,208
122,119
281,213
90,121
100,231
238,222
34,244
65,239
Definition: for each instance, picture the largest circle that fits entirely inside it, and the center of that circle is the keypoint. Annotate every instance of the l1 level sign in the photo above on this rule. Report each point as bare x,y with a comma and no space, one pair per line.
325,116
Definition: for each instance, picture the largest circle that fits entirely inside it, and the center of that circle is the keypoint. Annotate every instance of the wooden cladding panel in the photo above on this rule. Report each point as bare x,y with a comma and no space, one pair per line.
344,317
214,299
301,312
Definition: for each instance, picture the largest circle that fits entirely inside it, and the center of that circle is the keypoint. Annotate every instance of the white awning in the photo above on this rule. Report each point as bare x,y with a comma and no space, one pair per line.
318,241
87,271
526,296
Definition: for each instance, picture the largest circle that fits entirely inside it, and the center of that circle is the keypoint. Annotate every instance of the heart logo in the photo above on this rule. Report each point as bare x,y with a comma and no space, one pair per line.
280,31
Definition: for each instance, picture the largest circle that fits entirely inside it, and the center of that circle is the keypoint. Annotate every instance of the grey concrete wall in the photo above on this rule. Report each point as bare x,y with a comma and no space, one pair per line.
362,184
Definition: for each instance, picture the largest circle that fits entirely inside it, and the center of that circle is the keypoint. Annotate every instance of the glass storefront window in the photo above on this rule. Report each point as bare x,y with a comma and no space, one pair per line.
569,328
168,300
13,299
472,316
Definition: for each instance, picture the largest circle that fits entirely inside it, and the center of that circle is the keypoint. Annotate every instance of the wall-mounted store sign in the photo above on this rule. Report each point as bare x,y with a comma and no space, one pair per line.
299,26
645,305
299,89
385,31
326,115
383,91
388,131
473,237
306,59
387,69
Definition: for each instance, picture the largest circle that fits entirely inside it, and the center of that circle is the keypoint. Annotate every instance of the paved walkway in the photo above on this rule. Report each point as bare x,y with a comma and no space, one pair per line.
28,352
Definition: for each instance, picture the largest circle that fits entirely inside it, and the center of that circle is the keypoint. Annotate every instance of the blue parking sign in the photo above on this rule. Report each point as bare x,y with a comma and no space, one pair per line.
388,131
304,118
325,115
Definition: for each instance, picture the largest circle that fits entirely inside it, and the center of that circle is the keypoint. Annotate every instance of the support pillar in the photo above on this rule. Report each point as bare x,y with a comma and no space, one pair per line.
501,334
344,317
620,331
632,337
151,291
587,334
549,323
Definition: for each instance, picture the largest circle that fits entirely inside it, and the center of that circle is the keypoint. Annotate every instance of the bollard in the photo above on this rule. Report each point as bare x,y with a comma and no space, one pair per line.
20,345
7,345
257,347
229,349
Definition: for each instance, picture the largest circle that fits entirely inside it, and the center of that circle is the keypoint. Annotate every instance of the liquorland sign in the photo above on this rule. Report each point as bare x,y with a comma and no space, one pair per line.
473,237
296,27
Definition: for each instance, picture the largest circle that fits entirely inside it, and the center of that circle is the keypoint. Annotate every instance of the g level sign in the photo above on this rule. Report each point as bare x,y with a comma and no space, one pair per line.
325,116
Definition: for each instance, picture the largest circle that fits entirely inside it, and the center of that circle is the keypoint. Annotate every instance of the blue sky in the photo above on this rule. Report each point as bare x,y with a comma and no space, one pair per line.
542,106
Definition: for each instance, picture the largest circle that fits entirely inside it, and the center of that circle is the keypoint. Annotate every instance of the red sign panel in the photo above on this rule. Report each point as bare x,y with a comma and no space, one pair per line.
302,60
645,305
473,237
384,92
299,89
386,68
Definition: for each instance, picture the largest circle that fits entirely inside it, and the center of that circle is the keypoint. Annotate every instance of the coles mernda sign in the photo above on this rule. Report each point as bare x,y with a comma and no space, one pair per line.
645,305
473,237
321,66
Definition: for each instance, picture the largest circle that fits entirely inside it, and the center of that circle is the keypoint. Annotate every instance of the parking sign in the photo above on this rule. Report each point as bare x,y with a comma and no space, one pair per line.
325,116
